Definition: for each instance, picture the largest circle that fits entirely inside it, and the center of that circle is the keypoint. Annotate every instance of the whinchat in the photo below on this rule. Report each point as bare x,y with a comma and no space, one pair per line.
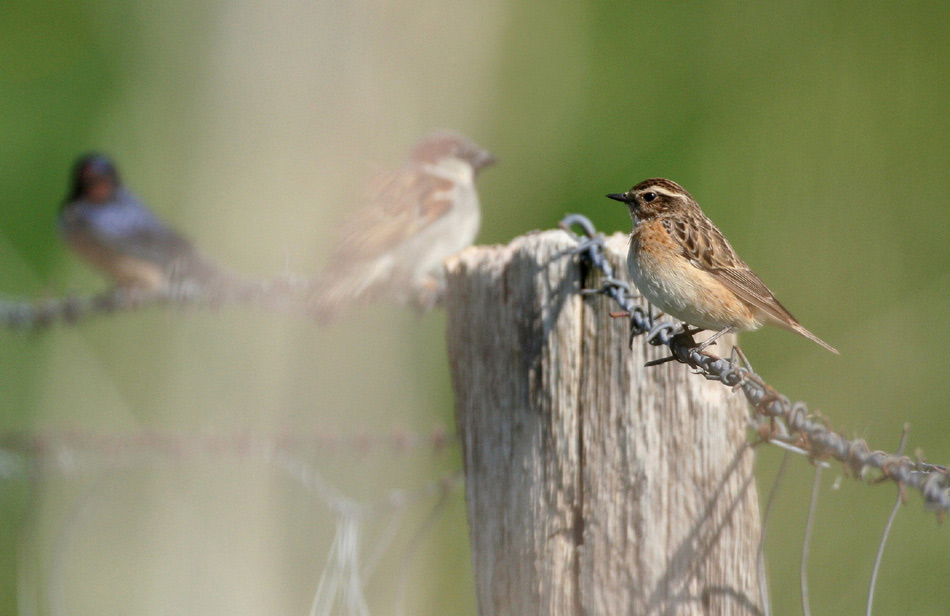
683,265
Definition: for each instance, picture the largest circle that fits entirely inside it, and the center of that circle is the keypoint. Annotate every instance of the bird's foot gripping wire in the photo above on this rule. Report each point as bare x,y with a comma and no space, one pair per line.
678,337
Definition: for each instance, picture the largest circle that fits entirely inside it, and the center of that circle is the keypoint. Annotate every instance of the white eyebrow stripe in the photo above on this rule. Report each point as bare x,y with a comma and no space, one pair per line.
662,191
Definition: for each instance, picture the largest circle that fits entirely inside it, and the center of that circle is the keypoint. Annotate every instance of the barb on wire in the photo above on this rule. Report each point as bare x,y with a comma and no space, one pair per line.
776,418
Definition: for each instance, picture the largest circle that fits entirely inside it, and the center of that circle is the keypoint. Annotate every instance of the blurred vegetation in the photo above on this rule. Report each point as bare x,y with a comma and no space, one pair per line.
815,135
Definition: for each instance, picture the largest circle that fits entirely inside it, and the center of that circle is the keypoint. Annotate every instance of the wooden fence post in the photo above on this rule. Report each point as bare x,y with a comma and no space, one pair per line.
594,486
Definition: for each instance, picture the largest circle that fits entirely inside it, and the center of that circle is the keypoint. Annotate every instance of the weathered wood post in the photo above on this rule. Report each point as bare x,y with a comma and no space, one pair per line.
594,486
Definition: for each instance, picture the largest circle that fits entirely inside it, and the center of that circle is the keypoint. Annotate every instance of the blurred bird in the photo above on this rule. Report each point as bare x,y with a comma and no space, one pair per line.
683,265
417,216
112,230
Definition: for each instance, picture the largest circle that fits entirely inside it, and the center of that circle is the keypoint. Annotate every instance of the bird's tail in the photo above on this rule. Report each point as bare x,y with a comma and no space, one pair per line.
336,290
801,331
333,292
199,275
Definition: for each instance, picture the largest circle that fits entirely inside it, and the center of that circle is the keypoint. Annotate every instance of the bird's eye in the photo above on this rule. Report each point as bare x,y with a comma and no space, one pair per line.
648,197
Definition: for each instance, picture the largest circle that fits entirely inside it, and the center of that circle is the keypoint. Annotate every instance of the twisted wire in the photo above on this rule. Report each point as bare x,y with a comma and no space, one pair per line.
776,419
282,294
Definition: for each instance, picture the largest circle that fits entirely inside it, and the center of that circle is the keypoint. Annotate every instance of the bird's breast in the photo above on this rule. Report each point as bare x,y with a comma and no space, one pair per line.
671,283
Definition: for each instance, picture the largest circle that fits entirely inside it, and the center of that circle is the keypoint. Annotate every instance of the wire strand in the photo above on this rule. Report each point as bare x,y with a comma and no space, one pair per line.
776,417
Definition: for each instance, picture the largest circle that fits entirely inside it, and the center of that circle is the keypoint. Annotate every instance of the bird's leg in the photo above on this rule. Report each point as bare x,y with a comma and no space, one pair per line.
687,331
713,338
684,337
429,293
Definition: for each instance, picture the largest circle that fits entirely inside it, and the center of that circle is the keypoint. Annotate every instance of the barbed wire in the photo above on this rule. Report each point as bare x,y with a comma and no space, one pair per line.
72,451
344,576
776,419
287,294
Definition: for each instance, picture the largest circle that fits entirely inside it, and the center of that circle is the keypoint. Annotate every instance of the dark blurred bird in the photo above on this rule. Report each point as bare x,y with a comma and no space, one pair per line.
112,230
416,216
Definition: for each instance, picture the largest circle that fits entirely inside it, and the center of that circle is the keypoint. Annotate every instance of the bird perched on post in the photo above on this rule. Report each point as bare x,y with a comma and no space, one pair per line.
683,265
111,229
416,216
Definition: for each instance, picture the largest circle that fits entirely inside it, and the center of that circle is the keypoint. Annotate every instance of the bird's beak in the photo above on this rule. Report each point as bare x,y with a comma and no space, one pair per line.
619,197
485,159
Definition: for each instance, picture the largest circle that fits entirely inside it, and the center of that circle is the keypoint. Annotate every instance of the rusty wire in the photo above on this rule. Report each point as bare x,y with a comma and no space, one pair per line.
88,454
72,451
282,294
776,419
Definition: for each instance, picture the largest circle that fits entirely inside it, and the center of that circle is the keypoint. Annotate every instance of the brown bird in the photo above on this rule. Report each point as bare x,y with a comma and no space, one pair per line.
416,216
683,265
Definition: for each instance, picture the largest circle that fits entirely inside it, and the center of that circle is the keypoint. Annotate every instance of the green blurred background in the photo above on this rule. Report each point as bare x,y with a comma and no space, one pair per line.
815,134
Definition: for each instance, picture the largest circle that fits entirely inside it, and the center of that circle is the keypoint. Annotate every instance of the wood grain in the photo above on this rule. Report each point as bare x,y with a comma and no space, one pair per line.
593,485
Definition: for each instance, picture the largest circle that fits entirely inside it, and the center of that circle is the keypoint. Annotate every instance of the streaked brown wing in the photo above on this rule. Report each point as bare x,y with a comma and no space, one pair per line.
707,249
401,203
411,191
750,289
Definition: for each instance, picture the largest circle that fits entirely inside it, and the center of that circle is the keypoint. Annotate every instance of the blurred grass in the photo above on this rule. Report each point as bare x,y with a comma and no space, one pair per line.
814,134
